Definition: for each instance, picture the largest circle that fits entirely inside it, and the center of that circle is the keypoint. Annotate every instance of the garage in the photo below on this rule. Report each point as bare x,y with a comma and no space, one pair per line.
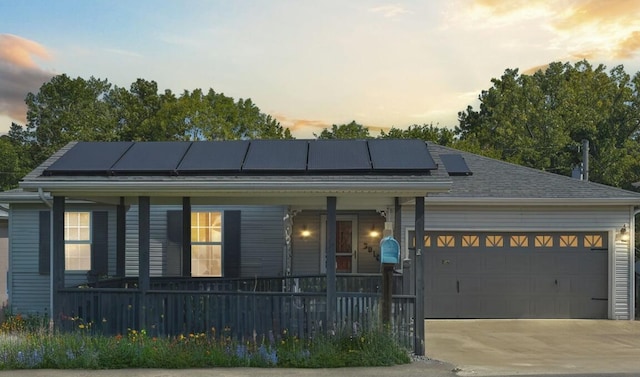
516,275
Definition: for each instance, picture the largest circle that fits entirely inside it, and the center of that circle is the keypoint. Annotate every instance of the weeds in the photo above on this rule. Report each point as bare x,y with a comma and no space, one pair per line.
26,343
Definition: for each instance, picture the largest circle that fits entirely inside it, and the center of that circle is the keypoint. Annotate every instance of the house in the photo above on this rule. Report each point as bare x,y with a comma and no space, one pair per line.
172,235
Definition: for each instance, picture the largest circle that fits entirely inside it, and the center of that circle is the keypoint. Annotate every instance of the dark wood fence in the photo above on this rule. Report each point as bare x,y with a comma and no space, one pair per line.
240,308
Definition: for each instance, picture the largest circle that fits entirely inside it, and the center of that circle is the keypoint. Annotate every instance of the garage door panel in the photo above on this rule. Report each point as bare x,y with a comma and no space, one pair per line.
517,263
441,306
518,280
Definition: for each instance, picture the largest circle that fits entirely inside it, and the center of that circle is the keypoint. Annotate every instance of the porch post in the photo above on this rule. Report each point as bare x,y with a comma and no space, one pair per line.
58,267
186,236
121,229
144,238
332,299
419,271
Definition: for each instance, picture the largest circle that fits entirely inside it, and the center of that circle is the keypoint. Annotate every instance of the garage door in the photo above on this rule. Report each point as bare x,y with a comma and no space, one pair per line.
516,275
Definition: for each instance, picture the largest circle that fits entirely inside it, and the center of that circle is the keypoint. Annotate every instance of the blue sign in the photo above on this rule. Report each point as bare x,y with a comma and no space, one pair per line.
389,250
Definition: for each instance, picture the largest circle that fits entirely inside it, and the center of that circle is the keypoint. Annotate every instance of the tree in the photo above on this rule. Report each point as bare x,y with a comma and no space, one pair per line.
68,109
540,120
351,130
13,165
442,136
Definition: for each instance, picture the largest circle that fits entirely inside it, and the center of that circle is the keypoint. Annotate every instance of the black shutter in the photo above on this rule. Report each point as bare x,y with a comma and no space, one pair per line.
175,257
174,226
231,247
100,243
44,243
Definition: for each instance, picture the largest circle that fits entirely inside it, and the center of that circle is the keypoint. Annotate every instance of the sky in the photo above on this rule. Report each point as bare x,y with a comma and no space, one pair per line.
310,64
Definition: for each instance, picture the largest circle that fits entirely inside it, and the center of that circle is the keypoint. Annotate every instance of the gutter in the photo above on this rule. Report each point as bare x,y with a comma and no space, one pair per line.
236,188
523,202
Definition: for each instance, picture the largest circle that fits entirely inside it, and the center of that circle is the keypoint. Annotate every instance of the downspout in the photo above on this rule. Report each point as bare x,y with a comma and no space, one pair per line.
48,204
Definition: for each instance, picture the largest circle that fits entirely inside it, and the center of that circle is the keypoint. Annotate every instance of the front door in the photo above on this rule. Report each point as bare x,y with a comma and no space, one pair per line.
346,244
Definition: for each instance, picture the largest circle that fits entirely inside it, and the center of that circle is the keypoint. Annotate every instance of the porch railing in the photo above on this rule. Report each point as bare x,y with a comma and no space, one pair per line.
296,304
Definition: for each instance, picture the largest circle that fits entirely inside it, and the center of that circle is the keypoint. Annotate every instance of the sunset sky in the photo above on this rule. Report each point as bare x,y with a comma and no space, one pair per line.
308,63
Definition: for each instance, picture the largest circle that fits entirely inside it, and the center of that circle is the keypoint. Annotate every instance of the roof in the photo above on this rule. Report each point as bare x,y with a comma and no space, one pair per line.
474,179
499,181
320,168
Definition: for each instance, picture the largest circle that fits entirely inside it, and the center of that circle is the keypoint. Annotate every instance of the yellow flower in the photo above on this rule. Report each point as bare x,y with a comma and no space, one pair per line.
81,326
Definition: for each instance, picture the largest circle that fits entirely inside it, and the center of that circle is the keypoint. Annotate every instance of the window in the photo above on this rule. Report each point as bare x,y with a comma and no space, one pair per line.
519,241
593,240
543,241
77,236
412,238
206,244
569,241
446,241
470,241
494,241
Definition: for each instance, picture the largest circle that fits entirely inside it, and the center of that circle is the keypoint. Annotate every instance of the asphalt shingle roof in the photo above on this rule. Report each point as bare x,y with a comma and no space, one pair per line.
498,179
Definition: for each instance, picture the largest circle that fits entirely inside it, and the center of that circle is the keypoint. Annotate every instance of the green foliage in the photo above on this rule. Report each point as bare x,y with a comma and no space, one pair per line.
25,346
351,130
539,120
441,136
67,109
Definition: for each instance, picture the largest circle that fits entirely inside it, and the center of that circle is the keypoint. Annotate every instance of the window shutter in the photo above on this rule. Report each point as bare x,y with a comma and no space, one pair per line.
44,243
174,226
100,243
231,247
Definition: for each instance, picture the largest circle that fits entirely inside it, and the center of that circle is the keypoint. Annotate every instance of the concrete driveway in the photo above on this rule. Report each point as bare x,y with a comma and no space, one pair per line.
502,347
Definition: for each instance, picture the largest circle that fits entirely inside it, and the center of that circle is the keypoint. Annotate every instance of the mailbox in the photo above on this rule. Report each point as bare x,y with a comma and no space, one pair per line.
389,250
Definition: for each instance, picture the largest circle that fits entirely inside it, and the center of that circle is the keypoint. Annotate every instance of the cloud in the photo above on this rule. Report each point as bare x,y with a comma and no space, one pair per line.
585,29
19,73
390,11
629,47
302,126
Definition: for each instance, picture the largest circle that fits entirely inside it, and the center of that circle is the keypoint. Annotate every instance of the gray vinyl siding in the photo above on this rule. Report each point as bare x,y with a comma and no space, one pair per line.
530,218
29,290
306,250
4,259
262,239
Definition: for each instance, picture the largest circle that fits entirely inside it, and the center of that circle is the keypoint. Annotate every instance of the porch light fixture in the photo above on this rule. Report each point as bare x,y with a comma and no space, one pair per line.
624,235
374,233
305,232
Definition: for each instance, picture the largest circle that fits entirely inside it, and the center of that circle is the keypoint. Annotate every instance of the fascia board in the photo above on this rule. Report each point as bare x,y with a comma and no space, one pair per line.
245,187
434,201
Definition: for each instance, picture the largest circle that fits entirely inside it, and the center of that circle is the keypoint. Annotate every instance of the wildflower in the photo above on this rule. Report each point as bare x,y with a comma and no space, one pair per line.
81,326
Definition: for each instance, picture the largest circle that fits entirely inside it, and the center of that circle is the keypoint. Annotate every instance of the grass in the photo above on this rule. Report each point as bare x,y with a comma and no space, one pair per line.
28,344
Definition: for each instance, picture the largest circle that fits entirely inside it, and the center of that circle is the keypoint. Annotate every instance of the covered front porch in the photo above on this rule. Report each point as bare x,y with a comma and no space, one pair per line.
135,295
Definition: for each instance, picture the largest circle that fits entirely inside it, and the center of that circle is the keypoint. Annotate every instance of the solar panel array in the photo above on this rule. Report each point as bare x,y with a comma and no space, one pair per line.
455,164
245,157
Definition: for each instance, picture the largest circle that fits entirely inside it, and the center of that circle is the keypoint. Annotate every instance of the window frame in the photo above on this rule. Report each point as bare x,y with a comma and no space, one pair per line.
87,242
219,242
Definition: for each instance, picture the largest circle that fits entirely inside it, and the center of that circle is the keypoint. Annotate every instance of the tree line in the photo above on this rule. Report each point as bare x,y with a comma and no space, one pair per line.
537,120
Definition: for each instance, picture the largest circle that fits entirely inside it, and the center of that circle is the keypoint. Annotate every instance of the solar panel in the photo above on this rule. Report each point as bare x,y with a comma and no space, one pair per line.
400,154
455,164
214,156
276,155
152,157
339,155
88,158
